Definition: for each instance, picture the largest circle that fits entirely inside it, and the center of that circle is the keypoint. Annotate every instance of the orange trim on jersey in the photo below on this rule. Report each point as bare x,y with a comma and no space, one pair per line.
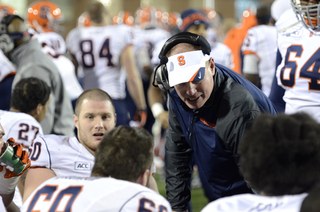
192,78
11,73
207,123
249,52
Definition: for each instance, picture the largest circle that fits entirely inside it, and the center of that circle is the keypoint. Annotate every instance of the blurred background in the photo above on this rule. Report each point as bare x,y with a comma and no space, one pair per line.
230,10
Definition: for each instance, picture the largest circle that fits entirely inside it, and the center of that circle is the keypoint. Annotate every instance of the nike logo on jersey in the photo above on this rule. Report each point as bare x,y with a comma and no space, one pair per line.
82,166
199,77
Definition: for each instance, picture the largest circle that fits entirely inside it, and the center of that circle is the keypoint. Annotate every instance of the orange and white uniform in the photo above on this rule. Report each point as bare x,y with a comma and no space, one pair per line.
94,194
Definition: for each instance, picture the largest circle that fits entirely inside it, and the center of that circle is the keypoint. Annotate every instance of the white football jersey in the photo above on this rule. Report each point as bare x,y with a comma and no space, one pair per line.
23,128
54,40
98,50
20,126
64,65
298,72
94,194
222,54
153,39
64,155
6,67
256,203
262,42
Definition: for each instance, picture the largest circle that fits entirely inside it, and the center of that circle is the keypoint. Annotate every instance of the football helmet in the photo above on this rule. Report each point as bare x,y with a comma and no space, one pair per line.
123,17
172,22
7,10
84,20
44,16
308,13
149,17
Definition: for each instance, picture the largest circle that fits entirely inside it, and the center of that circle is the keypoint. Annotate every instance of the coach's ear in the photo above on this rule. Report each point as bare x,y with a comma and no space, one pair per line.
143,178
212,67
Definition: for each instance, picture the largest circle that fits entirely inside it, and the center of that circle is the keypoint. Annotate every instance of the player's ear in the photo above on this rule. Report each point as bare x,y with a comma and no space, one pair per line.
76,120
39,108
143,178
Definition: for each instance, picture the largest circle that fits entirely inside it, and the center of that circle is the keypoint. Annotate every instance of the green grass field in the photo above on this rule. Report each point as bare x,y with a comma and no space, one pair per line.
198,198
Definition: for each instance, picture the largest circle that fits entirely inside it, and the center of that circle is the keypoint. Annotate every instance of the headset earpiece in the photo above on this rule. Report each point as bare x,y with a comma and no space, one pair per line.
160,72
161,77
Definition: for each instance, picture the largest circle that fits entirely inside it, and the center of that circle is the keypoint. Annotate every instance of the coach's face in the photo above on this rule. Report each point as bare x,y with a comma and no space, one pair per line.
95,119
196,94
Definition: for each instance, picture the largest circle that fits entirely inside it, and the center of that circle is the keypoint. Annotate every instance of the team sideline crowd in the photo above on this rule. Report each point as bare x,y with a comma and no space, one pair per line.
232,107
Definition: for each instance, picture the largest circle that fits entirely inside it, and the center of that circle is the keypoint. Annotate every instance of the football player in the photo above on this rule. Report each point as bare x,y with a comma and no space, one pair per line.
101,50
259,49
298,75
278,159
30,98
57,155
121,172
44,17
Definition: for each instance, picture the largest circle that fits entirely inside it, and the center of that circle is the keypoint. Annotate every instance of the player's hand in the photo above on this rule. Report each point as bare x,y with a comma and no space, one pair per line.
14,159
141,117
164,119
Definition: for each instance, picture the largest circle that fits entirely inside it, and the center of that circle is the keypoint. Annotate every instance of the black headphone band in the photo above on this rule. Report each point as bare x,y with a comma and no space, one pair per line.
184,37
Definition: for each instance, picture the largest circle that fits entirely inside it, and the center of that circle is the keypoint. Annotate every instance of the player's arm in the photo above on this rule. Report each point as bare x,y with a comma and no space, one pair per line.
134,81
34,178
40,165
155,100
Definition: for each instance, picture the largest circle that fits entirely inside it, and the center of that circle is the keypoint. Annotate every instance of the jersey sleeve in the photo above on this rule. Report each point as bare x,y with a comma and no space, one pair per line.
249,45
72,41
39,153
128,35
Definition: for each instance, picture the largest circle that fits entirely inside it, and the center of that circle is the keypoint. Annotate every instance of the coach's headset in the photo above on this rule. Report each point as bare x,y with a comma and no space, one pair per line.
7,40
160,71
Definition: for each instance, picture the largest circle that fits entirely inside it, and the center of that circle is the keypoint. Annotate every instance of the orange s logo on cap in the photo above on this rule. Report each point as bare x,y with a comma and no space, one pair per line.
181,60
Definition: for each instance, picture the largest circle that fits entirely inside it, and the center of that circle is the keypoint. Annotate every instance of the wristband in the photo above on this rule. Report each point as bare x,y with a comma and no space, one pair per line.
11,161
157,109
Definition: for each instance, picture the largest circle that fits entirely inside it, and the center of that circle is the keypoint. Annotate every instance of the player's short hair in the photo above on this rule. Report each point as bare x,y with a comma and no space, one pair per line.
96,11
263,14
279,154
92,94
124,153
28,93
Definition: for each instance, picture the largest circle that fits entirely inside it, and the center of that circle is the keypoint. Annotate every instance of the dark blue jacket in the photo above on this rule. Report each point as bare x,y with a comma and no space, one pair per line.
209,137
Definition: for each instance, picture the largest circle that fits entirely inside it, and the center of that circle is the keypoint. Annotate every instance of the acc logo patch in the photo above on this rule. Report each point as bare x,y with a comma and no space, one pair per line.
82,165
